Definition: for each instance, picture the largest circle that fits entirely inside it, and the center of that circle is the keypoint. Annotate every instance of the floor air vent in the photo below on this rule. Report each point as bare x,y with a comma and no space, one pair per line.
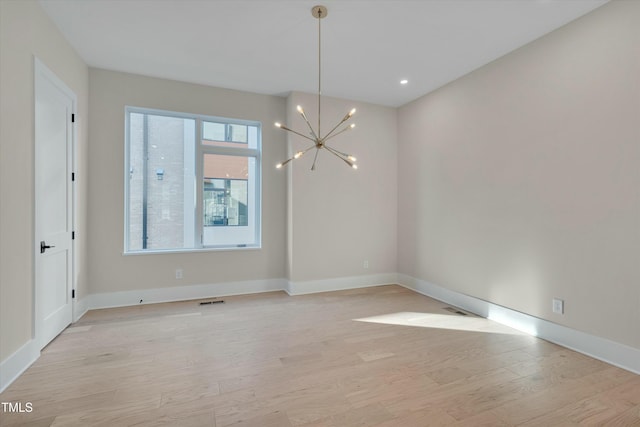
212,302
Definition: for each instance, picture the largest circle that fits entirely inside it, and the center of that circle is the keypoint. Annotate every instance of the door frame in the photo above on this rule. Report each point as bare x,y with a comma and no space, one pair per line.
41,71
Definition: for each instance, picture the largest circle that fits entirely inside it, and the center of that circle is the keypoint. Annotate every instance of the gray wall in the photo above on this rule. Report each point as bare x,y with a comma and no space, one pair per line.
340,217
519,182
110,271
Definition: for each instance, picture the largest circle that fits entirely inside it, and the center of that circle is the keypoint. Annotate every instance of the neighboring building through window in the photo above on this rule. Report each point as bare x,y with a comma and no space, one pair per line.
184,195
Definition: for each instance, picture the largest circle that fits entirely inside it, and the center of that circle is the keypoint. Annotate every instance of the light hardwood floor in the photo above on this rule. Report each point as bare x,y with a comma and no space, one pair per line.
382,356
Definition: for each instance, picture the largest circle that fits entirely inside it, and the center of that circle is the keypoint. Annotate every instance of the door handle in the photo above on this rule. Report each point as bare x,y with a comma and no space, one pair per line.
44,247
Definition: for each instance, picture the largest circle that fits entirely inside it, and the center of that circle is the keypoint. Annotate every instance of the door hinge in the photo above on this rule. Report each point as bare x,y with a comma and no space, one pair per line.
73,118
73,176
73,235
73,293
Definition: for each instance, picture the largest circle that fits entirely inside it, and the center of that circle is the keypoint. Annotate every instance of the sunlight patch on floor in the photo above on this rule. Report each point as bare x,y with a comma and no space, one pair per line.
441,321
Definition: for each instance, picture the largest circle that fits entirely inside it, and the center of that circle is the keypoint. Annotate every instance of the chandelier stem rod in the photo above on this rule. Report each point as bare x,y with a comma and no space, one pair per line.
319,70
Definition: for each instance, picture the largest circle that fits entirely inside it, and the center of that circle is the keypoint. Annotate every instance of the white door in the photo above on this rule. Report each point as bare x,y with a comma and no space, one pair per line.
54,133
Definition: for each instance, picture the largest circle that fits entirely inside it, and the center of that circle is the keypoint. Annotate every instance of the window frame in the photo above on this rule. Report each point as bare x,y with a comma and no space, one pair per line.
199,154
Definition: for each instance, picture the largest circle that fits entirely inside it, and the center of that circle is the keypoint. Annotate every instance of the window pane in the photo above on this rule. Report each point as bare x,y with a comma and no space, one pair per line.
214,131
228,200
161,184
229,135
225,202
238,133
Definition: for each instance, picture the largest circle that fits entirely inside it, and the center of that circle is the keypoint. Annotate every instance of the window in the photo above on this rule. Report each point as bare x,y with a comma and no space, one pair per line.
193,182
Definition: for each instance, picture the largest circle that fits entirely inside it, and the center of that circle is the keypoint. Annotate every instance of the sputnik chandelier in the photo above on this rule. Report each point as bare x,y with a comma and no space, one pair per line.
319,141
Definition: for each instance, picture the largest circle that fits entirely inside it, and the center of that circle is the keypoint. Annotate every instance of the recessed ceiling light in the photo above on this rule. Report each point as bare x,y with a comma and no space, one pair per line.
404,81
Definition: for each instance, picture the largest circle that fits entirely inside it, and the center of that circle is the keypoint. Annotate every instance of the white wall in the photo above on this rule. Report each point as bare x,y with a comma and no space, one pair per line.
26,31
340,217
520,181
110,271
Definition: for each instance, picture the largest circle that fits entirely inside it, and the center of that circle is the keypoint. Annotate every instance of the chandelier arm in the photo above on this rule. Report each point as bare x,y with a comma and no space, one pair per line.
349,162
304,116
344,119
297,133
313,166
302,153
338,152
279,165
328,137
294,157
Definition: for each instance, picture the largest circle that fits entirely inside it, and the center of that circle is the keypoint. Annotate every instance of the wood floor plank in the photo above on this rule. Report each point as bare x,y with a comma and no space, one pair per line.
380,357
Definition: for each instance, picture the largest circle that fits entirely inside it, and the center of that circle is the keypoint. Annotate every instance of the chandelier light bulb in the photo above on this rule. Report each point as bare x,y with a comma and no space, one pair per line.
278,124
352,125
300,110
354,166
353,159
298,155
352,112
279,165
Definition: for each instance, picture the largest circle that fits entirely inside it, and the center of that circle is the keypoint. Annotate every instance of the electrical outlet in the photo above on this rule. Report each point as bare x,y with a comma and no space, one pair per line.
178,273
558,306
365,264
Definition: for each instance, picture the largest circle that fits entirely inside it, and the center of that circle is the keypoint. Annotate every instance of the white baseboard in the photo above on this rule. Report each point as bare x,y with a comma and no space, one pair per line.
183,293
611,352
340,283
13,366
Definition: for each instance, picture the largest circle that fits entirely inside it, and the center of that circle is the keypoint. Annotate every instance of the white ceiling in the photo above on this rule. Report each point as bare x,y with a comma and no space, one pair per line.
270,46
